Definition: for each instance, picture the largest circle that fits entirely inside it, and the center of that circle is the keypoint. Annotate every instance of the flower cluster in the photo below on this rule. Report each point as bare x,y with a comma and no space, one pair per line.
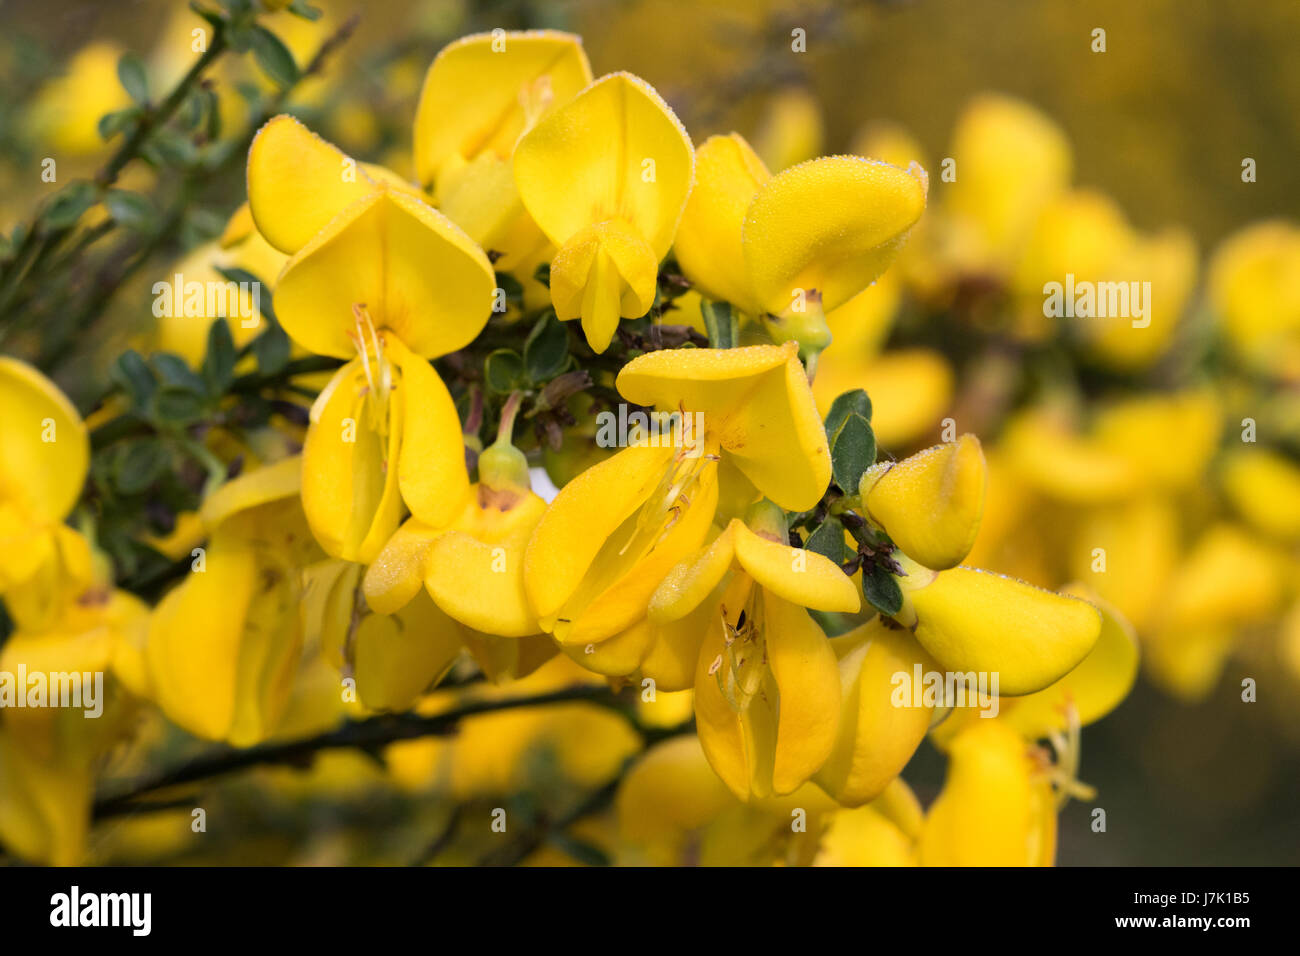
743,616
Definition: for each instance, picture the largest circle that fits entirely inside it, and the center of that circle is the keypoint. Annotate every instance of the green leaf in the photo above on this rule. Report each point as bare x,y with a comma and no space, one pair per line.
69,205
175,405
882,591
853,451
273,57
169,147
855,402
305,10
721,324
851,439
139,464
174,370
135,78
132,374
241,276
110,124
503,371
130,210
219,362
827,540
271,349
543,274
546,352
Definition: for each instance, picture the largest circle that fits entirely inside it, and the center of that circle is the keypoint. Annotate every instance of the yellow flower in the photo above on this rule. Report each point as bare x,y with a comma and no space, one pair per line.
1254,287
481,94
473,568
1011,161
375,273
1264,487
66,112
931,503
794,246
996,807
605,177
49,754
969,620
767,686
42,470
224,646
613,532
876,738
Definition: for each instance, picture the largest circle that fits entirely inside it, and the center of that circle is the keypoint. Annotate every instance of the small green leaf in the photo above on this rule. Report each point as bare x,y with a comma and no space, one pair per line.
135,78
855,402
305,10
174,370
69,205
721,324
546,352
273,57
271,349
219,362
503,371
851,439
244,277
543,274
175,405
882,591
110,124
130,210
139,464
132,374
827,540
169,147
853,451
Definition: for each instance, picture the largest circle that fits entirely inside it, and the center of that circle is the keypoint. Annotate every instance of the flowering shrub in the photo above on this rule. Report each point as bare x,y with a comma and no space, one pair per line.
576,465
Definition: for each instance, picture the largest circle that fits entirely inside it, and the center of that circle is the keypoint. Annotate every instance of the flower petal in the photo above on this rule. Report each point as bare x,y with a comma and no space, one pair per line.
972,620
616,151
46,450
931,503
832,225
808,680
431,468
475,95
757,401
411,267
801,577
727,174
298,182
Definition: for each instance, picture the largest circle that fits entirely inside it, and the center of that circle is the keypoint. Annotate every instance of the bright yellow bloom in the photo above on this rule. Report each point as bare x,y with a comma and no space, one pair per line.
1254,286
876,738
45,457
767,686
480,96
224,645
612,533
377,274
931,503
605,177
996,808
794,246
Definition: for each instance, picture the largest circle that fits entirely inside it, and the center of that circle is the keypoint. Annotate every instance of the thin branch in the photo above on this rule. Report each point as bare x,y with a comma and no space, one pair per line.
369,734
